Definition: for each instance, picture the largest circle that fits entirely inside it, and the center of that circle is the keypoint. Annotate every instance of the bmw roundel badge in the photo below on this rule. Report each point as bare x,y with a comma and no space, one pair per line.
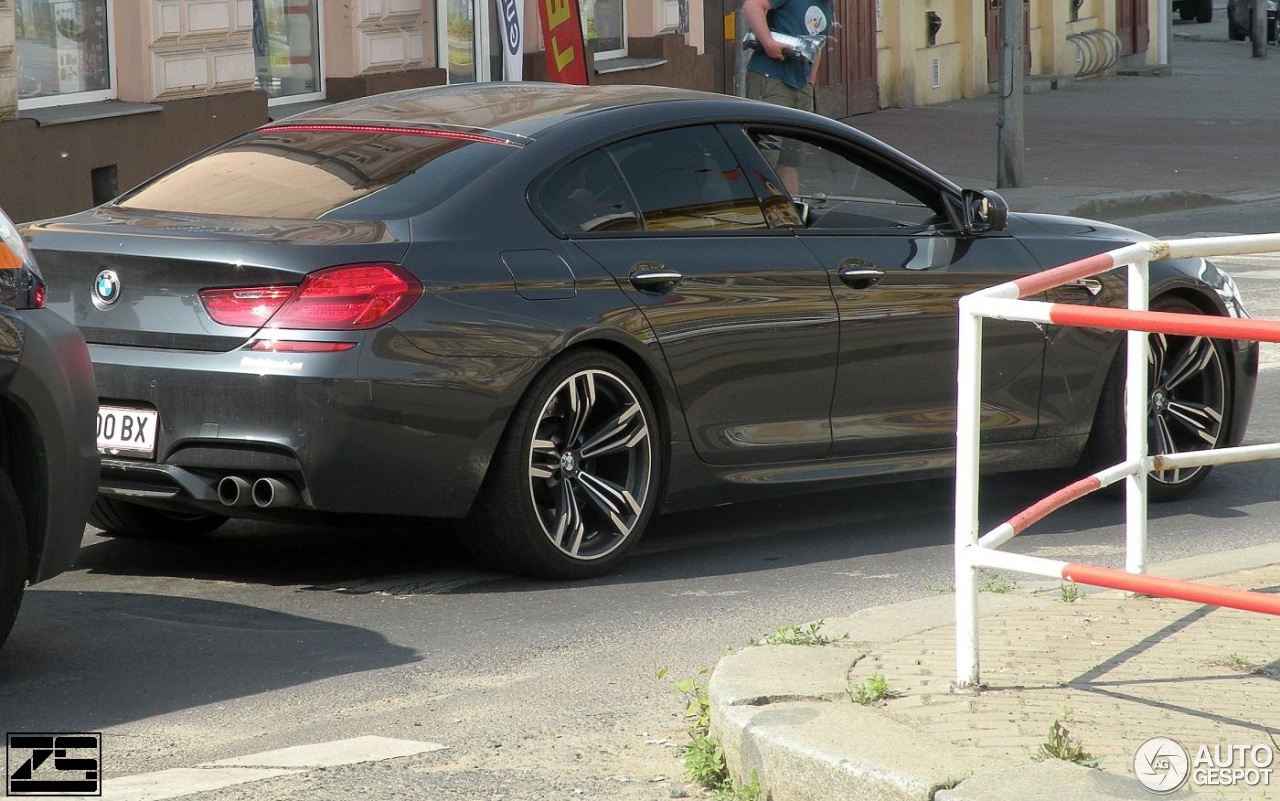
106,288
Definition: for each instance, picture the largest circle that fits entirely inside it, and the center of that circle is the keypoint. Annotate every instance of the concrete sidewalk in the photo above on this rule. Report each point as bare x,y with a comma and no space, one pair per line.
1115,671
1119,146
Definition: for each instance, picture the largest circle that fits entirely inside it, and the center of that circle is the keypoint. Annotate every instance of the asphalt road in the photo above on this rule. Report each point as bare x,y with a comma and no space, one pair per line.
262,637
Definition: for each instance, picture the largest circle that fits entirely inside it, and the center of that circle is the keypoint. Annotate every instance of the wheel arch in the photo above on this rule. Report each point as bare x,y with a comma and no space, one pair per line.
642,359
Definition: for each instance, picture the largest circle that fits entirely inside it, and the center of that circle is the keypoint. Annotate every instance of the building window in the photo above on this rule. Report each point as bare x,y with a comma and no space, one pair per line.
64,52
286,49
605,21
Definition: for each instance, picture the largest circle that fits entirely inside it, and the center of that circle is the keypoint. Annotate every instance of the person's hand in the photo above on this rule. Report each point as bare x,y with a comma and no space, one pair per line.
772,48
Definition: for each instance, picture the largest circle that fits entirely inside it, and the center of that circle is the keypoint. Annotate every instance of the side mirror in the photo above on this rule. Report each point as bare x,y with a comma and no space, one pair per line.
984,210
804,210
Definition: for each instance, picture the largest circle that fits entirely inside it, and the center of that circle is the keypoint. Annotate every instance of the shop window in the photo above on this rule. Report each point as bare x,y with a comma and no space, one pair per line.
64,52
286,49
606,30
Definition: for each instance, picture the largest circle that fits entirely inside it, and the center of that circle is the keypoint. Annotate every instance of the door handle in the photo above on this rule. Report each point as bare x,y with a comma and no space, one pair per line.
860,276
1091,285
653,277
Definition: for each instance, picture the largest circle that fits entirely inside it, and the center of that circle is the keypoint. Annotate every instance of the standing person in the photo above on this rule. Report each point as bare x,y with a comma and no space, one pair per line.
772,75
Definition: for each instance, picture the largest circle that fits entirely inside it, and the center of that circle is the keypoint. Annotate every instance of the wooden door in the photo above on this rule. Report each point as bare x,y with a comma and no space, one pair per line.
993,39
1132,26
847,82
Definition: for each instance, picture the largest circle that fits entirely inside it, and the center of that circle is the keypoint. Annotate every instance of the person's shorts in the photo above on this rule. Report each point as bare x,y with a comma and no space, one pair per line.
772,90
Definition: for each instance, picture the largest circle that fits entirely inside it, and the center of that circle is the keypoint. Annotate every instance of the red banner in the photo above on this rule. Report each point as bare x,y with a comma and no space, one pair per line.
562,39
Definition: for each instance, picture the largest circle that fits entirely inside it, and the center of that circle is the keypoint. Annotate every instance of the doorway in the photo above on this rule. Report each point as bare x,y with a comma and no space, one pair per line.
1132,26
993,39
847,83
468,41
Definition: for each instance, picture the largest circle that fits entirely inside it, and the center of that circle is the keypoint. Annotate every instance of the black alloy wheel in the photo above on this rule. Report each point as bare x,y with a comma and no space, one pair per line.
575,481
119,518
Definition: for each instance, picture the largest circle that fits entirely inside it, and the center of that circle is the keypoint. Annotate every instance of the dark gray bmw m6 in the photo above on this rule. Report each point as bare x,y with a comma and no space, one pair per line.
551,311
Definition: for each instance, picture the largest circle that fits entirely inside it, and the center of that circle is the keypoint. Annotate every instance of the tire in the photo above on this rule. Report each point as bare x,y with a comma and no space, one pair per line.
13,556
1190,398
1204,11
1186,12
575,479
119,518
1235,31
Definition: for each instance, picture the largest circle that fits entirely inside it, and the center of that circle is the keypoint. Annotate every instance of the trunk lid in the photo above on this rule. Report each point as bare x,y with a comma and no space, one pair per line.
133,277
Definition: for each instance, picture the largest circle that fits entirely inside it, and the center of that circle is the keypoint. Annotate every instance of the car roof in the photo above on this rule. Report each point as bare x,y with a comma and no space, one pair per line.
520,110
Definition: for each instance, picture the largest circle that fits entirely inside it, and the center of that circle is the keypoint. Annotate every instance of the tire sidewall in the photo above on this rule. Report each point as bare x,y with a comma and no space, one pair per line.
509,474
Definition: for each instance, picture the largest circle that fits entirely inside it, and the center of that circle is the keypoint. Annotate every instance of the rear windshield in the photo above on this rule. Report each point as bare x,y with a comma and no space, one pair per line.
313,174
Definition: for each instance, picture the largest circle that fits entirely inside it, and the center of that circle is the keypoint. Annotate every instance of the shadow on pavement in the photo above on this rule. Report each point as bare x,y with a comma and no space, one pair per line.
121,657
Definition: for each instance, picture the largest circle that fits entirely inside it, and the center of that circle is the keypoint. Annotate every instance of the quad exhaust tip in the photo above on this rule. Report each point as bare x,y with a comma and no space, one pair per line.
272,493
265,493
235,491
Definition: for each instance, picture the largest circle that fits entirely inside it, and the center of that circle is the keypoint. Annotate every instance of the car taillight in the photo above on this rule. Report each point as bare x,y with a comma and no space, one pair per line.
351,297
250,306
20,283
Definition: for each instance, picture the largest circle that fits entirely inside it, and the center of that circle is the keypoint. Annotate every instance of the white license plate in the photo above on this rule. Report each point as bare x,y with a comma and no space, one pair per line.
125,430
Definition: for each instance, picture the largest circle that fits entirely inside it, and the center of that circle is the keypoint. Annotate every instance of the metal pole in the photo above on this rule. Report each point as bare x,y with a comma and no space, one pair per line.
1164,23
1010,142
1258,29
740,55
1136,399
968,402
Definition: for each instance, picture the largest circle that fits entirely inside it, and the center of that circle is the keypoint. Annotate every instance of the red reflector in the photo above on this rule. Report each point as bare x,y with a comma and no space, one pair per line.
37,296
353,297
293,346
246,306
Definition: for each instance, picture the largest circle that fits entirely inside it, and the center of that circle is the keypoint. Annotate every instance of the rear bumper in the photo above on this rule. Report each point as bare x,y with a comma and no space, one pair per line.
53,386
382,429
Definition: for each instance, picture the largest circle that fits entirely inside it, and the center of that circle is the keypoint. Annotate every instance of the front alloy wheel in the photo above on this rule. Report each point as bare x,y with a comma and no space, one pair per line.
1189,392
574,482
1188,402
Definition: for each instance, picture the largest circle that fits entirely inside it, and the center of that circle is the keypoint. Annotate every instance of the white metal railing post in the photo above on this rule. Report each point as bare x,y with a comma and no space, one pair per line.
1136,399
968,418
1009,302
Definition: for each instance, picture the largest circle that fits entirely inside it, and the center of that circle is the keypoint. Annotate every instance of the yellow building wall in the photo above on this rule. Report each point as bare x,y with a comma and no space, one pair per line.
911,72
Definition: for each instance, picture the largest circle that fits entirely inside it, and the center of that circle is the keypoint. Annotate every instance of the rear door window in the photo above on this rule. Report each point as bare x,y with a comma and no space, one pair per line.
588,195
686,179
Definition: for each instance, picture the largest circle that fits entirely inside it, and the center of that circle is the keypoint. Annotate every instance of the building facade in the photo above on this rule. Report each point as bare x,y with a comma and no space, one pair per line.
98,95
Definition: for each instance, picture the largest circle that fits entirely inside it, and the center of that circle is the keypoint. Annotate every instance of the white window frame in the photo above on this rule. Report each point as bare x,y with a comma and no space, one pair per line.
604,55
481,19
319,94
82,97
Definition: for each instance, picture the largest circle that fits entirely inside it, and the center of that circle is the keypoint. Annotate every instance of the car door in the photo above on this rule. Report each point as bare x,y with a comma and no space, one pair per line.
898,267
743,312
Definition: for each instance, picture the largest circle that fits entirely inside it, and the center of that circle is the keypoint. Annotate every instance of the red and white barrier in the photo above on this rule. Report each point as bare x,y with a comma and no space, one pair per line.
1007,302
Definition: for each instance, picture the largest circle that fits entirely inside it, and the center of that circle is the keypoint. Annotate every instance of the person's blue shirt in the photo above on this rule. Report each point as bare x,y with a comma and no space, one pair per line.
795,18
